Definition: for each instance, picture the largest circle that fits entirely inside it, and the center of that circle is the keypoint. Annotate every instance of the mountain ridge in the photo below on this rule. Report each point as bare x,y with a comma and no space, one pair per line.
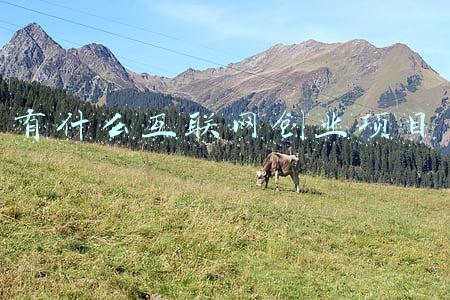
311,76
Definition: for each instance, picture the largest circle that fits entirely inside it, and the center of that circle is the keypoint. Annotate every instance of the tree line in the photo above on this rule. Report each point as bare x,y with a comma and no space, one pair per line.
395,161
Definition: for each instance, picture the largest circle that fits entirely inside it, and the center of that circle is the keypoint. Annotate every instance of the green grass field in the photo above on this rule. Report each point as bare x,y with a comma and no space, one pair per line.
90,221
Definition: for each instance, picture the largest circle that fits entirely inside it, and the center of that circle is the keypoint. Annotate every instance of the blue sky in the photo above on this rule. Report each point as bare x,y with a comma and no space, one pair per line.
238,29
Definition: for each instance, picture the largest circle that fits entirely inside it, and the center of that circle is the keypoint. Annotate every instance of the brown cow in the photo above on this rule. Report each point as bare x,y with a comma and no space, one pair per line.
278,164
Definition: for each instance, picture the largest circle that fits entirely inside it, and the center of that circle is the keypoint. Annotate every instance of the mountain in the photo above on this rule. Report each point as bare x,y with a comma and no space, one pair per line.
439,136
91,72
86,72
315,76
353,78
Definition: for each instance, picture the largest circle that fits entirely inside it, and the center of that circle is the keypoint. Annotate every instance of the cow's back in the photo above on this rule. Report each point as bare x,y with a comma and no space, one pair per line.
285,164
289,164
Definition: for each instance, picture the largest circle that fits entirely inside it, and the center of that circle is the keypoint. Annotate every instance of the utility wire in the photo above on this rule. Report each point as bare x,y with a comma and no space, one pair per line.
88,26
80,45
162,48
143,29
128,59
146,43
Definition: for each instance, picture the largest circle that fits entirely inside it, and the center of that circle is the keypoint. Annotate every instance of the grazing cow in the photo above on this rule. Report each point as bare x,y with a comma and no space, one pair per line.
278,164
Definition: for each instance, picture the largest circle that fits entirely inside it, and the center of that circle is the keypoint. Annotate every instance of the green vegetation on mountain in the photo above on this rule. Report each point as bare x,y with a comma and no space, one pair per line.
379,160
304,76
143,101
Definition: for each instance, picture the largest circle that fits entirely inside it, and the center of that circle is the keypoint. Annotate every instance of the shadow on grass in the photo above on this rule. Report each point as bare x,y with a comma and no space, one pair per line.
309,191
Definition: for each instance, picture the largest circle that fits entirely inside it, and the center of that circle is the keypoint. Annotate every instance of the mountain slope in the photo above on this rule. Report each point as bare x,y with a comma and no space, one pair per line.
353,78
312,74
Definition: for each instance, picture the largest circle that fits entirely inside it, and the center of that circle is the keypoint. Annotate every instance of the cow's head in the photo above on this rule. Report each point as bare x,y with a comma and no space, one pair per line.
261,177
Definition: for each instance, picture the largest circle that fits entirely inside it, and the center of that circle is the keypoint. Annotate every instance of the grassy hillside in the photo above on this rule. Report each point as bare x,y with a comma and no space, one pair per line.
91,221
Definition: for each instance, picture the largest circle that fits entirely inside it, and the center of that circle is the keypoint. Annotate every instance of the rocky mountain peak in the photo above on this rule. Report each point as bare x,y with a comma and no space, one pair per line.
98,51
33,34
311,43
103,62
87,72
417,61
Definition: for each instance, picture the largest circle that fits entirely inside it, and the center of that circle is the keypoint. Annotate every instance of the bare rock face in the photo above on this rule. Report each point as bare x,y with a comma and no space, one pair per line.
87,72
26,52
101,60
439,131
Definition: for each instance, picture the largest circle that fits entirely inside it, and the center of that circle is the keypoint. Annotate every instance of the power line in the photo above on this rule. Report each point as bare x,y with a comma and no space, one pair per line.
162,48
125,58
111,33
143,29
139,41
7,29
146,43
78,44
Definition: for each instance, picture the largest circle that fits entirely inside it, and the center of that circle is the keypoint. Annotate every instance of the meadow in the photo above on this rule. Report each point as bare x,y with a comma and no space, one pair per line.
81,220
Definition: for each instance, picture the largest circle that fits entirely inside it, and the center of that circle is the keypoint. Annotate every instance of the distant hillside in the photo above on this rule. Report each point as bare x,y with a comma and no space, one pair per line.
316,77
142,101
353,78
397,161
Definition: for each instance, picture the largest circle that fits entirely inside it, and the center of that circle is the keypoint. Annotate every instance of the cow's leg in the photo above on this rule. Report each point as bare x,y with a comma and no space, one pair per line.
267,182
296,180
276,180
